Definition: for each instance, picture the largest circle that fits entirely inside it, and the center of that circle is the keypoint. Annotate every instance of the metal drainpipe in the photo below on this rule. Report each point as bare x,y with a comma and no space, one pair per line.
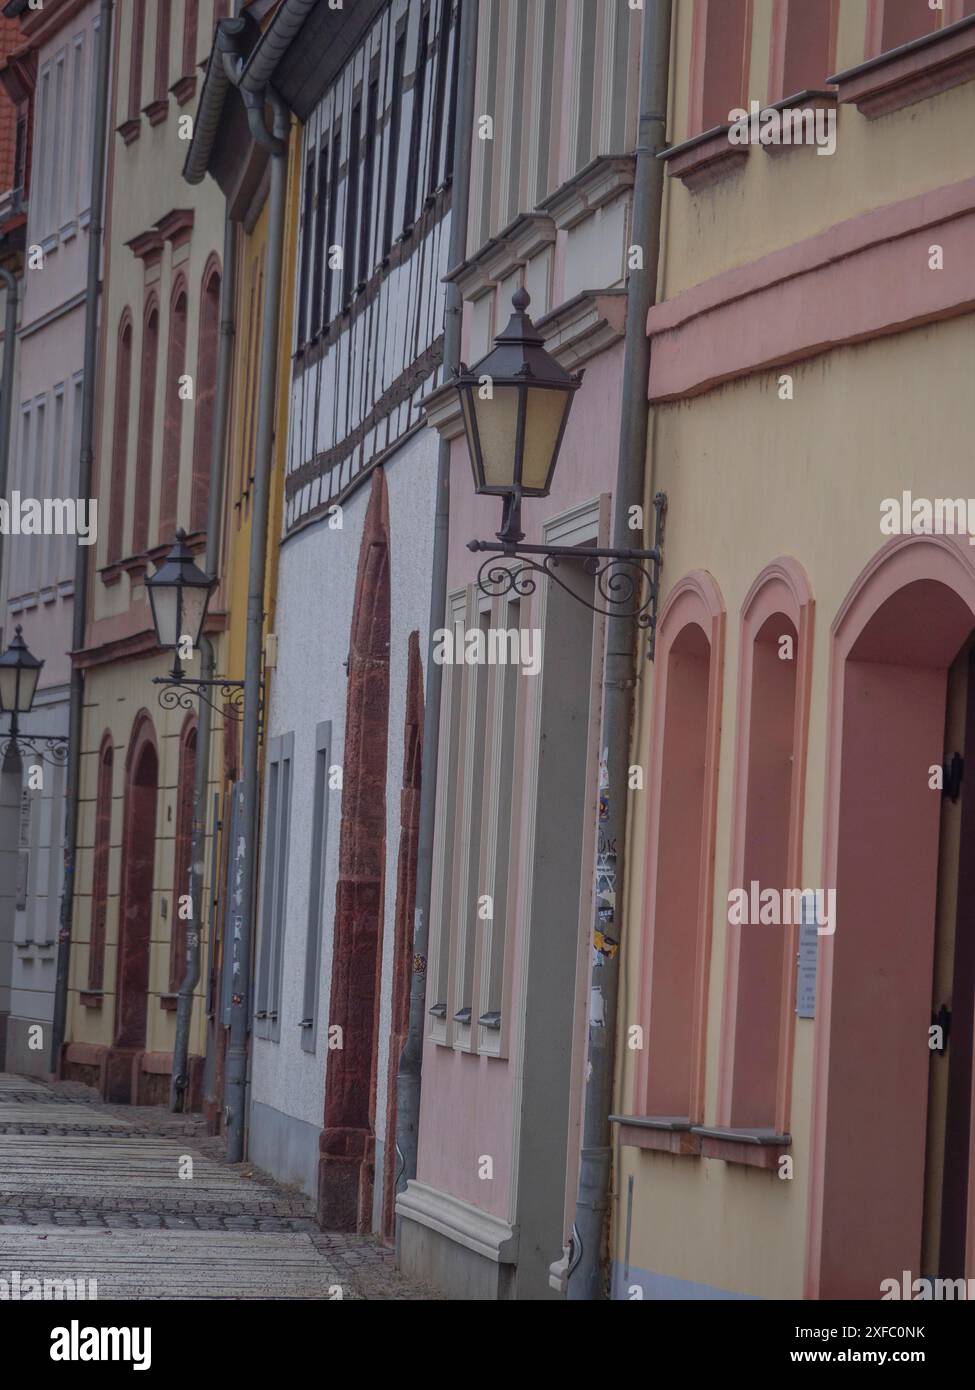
6,400
587,1278
243,914
221,415
79,614
409,1075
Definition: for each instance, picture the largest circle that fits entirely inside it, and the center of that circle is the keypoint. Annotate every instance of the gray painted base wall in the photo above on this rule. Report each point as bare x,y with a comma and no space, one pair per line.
20,1058
435,1259
285,1147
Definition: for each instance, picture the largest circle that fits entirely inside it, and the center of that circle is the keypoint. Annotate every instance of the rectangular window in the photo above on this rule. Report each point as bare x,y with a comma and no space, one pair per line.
470,887
720,62
275,885
499,868
77,112
54,487
802,35
448,803
305,314
163,27
439,96
392,158
448,163
54,162
37,484
42,142
136,47
319,309
416,132
318,880
333,188
368,174
351,203
586,80
905,20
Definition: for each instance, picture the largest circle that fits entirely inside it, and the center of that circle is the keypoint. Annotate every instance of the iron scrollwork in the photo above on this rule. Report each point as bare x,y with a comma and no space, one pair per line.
224,697
53,750
627,582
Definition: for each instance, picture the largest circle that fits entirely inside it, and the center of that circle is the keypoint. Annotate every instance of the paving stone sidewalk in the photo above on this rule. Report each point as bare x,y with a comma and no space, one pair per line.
89,1190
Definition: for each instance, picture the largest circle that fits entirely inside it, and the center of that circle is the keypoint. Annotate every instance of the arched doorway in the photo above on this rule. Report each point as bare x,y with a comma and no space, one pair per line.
895,640
135,907
347,1145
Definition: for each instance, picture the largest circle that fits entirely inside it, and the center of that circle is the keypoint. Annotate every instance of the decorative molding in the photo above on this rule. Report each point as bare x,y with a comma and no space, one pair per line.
527,236
806,299
147,246
705,159
934,63
184,88
602,180
130,129
176,226
487,1235
443,412
585,325
669,1134
157,111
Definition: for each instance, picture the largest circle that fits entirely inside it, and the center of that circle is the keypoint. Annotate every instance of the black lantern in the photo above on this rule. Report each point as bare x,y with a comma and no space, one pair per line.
179,593
516,403
20,670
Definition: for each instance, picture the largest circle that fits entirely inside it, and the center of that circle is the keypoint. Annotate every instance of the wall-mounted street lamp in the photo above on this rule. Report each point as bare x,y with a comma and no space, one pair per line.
516,404
20,671
179,596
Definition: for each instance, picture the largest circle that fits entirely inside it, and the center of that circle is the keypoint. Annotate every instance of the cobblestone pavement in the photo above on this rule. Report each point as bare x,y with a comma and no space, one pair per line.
89,1190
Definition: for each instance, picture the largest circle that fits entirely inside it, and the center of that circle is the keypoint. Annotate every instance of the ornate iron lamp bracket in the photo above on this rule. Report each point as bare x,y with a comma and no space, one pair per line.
54,751
627,582
223,696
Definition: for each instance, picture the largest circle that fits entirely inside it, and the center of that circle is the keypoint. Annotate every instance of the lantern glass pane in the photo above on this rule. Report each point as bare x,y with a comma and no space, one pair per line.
8,688
543,421
497,424
194,611
29,676
165,613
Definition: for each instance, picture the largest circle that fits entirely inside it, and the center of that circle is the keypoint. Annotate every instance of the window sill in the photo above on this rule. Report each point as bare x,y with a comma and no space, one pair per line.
705,160
168,1003
91,998
753,1148
931,64
184,88
130,130
812,98
157,111
670,1134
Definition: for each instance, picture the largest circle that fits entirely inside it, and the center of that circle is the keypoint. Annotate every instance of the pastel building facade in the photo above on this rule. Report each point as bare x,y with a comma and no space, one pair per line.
788,1124
491,1208
49,71
158,337
344,723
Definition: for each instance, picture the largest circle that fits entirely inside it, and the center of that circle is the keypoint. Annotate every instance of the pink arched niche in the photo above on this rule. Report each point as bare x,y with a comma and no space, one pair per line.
893,640
137,876
774,673
683,778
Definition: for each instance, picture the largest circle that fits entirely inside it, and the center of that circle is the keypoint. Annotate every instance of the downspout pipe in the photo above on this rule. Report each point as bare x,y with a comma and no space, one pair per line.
79,615
9,280
243,913
587,1264
408,1078
179,1090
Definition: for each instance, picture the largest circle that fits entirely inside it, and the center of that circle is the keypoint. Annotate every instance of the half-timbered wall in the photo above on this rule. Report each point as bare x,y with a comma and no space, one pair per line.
376,167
